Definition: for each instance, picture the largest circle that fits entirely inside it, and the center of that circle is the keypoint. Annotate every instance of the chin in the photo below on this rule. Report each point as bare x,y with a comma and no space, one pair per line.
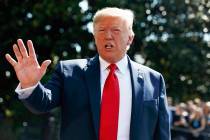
110,59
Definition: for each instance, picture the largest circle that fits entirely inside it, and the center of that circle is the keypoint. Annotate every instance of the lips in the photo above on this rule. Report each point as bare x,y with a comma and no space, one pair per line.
108,46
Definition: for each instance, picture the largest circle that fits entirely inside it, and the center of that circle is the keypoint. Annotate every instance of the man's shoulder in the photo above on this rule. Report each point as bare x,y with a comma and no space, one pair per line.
68,67
74,62
77,64
144,69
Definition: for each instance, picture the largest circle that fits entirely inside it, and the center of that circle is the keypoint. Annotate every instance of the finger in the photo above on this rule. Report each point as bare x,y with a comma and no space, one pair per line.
17,52
22,48
10,60
44,66
31,49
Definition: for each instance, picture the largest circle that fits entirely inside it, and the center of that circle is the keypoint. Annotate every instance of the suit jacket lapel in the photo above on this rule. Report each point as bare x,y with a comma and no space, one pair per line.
92,75
137,81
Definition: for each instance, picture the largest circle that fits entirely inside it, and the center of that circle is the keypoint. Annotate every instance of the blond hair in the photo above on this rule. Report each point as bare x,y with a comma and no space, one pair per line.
125,14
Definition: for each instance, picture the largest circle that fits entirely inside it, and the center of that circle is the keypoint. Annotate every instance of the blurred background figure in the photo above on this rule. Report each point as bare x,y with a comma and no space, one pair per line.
197,123
180,119
206,113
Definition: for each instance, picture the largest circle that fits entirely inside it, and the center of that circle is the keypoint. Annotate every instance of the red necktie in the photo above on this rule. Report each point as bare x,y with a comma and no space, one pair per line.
110,107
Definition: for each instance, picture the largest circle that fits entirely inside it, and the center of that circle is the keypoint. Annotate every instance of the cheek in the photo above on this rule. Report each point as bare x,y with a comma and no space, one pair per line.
99,44
123,41
98,40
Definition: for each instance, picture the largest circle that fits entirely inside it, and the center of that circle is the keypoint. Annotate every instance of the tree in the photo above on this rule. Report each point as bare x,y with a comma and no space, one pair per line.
170,36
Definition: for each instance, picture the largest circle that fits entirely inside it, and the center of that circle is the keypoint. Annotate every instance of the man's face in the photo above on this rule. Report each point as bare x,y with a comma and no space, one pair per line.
112,37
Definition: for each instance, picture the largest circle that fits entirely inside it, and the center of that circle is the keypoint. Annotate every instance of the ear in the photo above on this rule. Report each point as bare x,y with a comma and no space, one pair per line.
93,34
130,39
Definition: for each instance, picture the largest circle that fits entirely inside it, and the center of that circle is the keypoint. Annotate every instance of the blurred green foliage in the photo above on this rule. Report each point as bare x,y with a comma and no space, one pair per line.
171,37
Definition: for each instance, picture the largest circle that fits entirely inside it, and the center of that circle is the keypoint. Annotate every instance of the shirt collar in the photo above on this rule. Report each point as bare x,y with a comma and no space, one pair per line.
122,65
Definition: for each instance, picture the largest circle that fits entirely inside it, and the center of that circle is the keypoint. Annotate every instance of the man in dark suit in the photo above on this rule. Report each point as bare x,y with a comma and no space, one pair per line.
107,97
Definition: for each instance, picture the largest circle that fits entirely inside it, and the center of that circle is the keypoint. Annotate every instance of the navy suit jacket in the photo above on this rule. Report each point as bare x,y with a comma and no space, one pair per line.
75,87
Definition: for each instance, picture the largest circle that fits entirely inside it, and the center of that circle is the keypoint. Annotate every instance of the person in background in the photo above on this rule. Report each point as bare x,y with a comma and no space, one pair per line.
197,123
206,113
180,123
180,119
107,97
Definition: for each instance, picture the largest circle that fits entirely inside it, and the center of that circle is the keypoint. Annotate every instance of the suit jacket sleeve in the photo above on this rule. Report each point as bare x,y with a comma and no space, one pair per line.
163,126
46,97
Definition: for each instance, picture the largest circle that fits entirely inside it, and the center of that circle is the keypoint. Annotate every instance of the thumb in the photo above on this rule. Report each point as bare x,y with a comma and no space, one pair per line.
44,66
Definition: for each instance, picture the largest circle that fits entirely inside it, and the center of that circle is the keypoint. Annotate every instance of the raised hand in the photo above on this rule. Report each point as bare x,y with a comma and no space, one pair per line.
27,68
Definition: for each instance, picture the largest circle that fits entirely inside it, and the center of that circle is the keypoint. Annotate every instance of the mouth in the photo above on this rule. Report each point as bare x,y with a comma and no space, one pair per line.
109,46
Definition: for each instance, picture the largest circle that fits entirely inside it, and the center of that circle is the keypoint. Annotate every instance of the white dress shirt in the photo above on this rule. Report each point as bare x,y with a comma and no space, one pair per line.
123,75
124,79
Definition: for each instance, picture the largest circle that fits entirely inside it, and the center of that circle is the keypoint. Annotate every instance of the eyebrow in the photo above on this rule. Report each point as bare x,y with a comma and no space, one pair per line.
114,26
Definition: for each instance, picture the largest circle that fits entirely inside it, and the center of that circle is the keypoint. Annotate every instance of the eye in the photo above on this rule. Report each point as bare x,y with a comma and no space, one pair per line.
116,30
101,30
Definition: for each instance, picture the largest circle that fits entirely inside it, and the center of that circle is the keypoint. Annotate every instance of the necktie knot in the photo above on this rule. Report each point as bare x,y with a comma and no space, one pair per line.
112,67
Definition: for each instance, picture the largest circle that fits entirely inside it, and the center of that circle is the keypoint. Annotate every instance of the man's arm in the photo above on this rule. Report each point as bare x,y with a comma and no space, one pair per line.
48,96
26,92
29,73
163,128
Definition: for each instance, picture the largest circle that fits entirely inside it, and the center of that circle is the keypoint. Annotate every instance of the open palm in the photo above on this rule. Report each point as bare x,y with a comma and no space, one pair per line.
27,68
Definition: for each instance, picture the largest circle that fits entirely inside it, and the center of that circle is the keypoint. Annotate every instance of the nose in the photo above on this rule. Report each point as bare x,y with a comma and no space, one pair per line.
108,34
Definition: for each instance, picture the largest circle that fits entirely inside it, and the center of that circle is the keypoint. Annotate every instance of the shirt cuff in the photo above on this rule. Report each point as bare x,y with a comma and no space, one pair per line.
26,92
